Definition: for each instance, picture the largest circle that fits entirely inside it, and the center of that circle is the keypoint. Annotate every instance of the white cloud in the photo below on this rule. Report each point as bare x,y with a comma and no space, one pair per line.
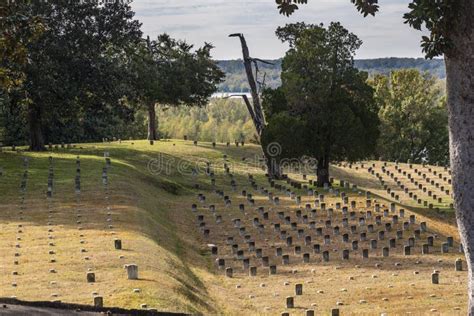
198,21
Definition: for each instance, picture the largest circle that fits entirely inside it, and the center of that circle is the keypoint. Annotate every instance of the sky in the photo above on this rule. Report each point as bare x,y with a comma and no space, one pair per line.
199,21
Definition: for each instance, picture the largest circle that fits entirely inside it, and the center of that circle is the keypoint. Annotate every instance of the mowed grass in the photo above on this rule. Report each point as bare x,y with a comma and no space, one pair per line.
142,208
395,285
442,215
150,192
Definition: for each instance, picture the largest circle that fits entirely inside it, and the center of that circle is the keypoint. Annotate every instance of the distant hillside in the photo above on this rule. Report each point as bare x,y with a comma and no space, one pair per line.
385,65
236,80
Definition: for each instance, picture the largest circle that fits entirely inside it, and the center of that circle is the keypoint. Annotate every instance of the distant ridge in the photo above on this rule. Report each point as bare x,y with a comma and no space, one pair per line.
237,82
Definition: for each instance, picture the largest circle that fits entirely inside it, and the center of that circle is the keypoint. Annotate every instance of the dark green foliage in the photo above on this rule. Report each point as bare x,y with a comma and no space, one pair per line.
17,31
437,17
366,7
280,126
12,123
288,131
414,118
330,110
290,33
287,7
168,71
274,101
76,69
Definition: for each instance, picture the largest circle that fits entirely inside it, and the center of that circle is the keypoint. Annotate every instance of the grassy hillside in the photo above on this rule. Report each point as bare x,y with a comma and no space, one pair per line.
48,245
139,205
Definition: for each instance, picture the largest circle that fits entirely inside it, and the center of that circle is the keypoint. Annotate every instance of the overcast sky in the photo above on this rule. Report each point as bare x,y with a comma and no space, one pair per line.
198,21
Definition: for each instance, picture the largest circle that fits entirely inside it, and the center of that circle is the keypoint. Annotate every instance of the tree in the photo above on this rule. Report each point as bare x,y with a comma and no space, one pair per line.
334,107
167,71
451,28
75,65
17,32
284,137
413,116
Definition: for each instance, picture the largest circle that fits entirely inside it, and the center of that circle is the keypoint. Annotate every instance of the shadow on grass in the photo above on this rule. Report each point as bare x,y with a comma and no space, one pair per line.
192,288
153,193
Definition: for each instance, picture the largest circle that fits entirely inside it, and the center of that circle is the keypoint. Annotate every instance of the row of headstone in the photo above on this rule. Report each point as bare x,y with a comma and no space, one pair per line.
132,269
305,256
50,147
256,222
51,237
214,144
252,268
405,189
77,178
20,229
63,145
420,186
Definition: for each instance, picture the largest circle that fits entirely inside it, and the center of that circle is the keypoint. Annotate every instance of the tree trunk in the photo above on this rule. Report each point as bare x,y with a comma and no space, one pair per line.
273,167
151,122
36,132
257,110
322,171
460,90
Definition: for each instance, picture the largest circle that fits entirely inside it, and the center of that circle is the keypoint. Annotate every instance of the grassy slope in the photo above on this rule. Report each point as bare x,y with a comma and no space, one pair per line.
145,213
442,216
150,213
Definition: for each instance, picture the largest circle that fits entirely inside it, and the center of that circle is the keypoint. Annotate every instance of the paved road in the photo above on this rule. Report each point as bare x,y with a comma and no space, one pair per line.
20,310
17,307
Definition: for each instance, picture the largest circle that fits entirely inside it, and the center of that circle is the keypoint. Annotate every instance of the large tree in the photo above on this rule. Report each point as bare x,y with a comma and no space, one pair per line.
170,72
285,135
451,32
325,96
16,32
74,65
413,116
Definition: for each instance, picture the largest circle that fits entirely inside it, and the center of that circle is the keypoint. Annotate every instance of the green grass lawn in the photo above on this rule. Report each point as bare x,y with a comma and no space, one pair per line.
147,205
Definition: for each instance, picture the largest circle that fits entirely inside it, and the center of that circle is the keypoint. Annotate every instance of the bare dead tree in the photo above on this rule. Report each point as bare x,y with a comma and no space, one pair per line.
255,107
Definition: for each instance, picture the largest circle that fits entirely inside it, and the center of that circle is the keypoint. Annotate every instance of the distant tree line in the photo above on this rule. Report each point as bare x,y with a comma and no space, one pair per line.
236,81
410,107
222,121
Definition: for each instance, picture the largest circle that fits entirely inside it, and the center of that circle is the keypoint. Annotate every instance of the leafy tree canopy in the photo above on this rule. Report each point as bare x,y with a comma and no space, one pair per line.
168,71
328,96
74,68
414,118
17,31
